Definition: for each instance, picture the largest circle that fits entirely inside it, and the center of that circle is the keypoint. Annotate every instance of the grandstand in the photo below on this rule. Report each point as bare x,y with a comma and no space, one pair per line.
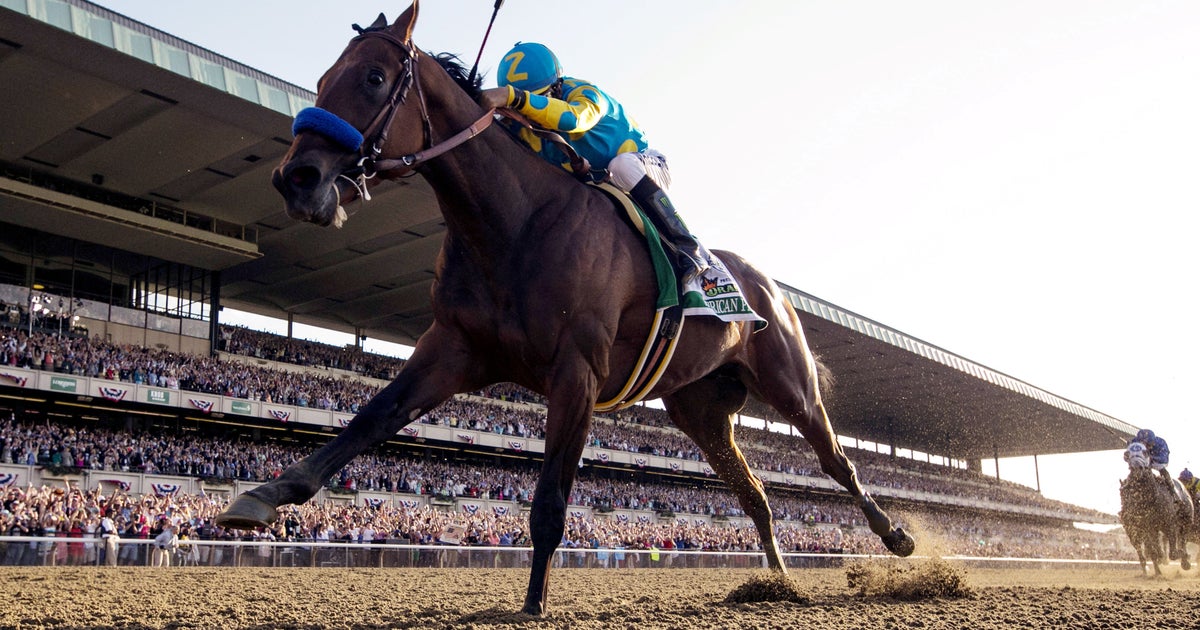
134,206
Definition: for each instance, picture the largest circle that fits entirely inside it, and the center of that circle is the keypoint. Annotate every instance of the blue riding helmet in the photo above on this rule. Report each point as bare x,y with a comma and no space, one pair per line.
529,66
1144,436
1185,475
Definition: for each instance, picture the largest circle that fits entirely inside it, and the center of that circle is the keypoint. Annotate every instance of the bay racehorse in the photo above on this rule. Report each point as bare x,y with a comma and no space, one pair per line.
1152,515
539,282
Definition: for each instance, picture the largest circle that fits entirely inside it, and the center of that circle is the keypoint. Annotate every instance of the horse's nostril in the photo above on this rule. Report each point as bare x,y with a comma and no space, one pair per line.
304,177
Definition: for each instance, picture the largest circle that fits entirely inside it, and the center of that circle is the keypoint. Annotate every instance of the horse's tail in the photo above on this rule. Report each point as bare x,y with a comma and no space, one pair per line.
825,378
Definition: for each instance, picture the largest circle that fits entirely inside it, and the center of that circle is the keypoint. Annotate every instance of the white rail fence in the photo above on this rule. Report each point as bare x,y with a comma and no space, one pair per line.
18,551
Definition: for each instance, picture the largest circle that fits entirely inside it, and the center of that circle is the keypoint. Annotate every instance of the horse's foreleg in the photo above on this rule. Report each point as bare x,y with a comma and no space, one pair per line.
434,373
1154,549
1140,546
567,421
1142,561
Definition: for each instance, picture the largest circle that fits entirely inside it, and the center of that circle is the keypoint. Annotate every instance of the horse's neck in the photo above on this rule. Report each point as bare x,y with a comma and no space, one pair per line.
479,190
1145,485
489,187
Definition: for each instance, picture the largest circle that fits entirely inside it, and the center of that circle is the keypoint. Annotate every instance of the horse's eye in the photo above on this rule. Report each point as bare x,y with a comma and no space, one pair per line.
375,79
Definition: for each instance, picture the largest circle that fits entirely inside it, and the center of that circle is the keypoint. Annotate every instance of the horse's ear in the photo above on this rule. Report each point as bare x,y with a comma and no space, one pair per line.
379,24
403,26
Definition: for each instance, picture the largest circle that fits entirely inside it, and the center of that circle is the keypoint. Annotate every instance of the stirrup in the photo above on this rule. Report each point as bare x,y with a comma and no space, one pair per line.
692,274
693,258
696,267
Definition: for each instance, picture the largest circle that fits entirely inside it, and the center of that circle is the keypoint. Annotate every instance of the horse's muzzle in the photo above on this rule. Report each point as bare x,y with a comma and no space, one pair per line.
309,192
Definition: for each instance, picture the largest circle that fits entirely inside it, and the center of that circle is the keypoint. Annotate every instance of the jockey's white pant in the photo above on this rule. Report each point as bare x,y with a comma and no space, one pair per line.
627,169
160,557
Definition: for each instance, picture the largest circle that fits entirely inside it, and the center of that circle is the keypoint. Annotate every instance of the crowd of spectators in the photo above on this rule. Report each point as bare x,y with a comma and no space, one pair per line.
95,358
802,524
76,514
211,458
215,458
639,429
253,343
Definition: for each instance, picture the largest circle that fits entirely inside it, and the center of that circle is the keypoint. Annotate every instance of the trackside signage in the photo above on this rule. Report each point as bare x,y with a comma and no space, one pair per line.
238,406
158,396
60,384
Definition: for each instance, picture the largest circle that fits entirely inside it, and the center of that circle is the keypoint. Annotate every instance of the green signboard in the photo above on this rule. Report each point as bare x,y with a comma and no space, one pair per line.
60,384
158,396
239,406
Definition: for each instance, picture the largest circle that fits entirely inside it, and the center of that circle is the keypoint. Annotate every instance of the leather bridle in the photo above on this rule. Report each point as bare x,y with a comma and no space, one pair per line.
370,161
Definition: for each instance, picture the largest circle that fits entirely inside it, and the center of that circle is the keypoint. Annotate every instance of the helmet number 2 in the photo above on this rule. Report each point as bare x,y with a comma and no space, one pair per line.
513,76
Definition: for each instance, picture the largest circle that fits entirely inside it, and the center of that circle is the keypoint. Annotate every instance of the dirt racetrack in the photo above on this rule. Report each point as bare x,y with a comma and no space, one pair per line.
177,598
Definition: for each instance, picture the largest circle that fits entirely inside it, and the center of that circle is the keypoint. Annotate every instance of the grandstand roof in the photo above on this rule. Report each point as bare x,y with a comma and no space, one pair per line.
117,111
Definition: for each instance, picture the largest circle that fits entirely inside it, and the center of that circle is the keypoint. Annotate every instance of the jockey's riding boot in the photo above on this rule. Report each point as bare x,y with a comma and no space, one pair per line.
1169,481
679,241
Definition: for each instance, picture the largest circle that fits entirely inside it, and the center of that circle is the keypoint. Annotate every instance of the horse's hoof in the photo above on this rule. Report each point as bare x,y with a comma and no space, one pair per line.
534,610
247,512
899,543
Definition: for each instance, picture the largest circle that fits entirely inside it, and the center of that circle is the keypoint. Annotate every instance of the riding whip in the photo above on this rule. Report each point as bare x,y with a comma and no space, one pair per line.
495,10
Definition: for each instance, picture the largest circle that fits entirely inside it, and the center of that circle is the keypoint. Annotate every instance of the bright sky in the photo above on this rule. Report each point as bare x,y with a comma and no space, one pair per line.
1014,181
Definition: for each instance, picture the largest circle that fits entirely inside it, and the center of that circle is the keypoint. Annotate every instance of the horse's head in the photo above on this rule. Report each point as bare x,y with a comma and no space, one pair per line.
362,107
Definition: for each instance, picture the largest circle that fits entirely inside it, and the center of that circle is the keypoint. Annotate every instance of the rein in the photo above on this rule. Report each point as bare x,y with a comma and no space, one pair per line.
412,159
579,165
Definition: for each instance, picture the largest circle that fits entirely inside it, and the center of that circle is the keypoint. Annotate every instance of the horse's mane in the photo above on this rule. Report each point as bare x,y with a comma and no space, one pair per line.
457,71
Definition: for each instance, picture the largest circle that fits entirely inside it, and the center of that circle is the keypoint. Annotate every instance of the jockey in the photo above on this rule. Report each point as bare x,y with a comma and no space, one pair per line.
1157,448
531,82
1159,454
1190,482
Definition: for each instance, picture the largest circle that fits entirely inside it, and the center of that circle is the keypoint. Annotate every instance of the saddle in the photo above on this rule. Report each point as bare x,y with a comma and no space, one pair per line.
1181,493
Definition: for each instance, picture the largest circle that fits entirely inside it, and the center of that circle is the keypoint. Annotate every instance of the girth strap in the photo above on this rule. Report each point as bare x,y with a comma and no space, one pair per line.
652,362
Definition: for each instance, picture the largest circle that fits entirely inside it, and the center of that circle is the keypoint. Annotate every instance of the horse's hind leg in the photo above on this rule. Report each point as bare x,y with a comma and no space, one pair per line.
1183,527
834,463
704,410
787,380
